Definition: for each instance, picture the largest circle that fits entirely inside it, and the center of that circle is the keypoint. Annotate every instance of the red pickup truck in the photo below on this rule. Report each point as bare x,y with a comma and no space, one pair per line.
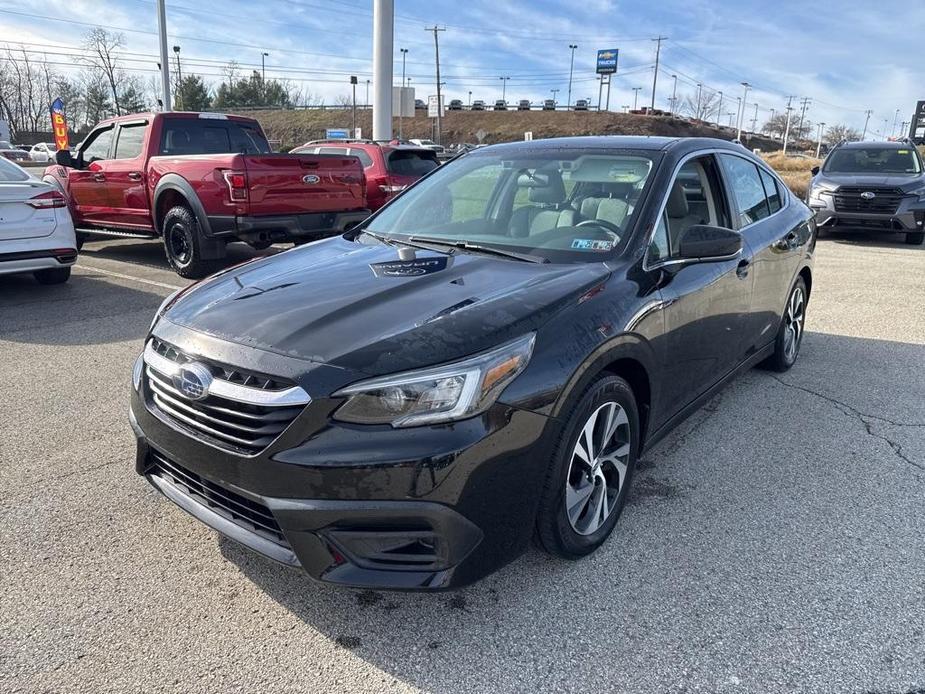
200,180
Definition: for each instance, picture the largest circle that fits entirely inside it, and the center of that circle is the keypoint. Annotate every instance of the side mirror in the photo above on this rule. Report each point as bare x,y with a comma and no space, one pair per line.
63,158
814,170
704,243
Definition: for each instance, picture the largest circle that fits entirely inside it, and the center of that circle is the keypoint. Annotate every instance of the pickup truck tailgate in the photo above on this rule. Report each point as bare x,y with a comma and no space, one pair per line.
303,183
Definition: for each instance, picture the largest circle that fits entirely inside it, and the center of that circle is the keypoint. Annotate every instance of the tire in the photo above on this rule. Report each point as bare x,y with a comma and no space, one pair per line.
573,519
53,275
915,238
183,244
790,333
81,238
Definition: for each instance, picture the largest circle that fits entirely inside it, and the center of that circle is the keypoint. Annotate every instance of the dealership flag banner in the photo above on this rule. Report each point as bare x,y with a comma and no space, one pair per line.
59,124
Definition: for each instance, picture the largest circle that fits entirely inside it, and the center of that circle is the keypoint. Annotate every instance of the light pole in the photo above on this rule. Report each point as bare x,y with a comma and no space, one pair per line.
554,92
353,85
177,95
504,81
730,114
401,99
636,97
719,112
819,140
674,95
892,129
470,98
755,119
263,67
747,86
164,66
699,101
866,122
571,68
366,103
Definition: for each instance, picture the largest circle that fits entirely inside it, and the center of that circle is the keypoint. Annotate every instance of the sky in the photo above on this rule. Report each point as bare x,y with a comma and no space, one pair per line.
866,55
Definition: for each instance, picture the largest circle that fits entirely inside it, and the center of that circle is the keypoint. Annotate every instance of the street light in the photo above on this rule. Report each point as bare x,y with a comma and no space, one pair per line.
470,98
819,140
401,99
636,97
178,99
674,95
504,81
366,105
571,68
263,67
554,92
742,109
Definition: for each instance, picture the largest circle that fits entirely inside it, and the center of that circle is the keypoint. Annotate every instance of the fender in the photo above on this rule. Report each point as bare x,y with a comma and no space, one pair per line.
172,181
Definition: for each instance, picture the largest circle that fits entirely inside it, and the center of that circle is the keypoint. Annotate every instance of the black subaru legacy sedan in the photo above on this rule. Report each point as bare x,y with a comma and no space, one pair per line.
478,364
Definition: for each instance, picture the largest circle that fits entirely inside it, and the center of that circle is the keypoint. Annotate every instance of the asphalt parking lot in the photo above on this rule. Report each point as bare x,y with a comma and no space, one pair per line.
774,543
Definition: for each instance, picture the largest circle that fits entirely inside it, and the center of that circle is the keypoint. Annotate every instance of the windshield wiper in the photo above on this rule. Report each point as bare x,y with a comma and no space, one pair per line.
438,247
478,248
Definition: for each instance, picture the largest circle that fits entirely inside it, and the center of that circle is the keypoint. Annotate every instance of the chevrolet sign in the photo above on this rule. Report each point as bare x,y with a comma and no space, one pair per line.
607,61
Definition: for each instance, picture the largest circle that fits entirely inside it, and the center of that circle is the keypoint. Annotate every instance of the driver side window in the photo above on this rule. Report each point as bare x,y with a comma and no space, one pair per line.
98,146
694,197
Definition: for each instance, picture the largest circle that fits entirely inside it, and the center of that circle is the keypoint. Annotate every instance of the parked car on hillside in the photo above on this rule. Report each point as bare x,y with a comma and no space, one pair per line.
581,105
389,168
871,186
478,105
36,231
455,105
427,144
419,105
199,181
500,105
43,152
480,363
8,151
549,105
523,105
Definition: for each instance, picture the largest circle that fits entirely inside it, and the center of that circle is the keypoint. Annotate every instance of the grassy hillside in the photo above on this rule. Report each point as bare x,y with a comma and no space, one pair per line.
293,128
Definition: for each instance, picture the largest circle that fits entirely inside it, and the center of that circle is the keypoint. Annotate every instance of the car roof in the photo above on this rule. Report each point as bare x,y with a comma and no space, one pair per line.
654,143
874,145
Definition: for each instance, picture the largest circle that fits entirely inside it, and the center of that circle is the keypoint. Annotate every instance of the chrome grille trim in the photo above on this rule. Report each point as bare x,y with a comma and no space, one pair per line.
293,395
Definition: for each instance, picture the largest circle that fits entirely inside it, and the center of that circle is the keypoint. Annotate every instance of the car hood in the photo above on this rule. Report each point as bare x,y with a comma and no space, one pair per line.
904,182
359,307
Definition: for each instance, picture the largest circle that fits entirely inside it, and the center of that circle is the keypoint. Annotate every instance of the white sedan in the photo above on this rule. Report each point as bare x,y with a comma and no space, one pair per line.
43,152
36,231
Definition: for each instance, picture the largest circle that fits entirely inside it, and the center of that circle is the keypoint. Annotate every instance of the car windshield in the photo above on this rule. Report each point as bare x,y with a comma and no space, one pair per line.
873,160
562,205
10,172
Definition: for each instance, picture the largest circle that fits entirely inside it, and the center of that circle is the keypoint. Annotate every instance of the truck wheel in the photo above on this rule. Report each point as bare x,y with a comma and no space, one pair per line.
183,244
915,238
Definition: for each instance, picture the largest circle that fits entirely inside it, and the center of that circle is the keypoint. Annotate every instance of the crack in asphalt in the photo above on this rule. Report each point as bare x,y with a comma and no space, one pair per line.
863,418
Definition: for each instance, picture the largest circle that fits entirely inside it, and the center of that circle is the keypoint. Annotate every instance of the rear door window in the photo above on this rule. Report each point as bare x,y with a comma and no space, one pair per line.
412,163
772,190
744,183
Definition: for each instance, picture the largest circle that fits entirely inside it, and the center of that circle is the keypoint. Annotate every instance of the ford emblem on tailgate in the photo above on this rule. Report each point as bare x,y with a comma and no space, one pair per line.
867,195
311,179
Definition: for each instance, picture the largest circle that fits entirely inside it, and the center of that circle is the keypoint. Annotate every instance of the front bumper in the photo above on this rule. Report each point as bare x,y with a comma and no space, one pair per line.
423,508
909,216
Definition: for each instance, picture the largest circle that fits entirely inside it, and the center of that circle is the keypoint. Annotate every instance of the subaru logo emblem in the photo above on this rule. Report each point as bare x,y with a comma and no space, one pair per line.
311,179
193,380
867,195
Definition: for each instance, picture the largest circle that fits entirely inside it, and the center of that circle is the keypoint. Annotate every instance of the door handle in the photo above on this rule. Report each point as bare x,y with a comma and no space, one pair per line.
99,178
134,176
742,268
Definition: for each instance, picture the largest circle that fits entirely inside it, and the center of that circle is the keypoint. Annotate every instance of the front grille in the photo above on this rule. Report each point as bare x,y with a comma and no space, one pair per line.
246,427
240,510
885,200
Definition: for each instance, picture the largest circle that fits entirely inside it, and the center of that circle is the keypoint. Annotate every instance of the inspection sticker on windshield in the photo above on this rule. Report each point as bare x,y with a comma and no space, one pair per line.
592,245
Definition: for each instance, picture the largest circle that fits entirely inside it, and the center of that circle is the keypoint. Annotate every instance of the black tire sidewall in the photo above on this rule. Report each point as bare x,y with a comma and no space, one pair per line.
179,220
554,532
779,360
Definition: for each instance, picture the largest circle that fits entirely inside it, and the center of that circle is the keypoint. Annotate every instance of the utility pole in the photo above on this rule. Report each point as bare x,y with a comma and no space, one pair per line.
571,68
366,103
867,114
787,127
401,99
699,101
556,91
437,29
755,119
730,114
383,51
803,106
658,50
719,111
893,128
819,140
176,91
747,86
674,95
165,66
636,97
263,67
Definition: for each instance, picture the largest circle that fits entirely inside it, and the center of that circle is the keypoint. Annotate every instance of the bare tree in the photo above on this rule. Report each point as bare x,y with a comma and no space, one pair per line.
103,45
836,133
701,104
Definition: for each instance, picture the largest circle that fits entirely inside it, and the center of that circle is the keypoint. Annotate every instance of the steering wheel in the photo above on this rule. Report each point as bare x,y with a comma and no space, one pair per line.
603,224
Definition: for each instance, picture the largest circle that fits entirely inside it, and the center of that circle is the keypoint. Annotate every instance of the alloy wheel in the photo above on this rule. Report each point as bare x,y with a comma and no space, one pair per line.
794,323
597,470
180,247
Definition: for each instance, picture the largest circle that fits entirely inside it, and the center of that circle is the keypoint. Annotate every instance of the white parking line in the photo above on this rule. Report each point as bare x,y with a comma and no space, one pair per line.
132,278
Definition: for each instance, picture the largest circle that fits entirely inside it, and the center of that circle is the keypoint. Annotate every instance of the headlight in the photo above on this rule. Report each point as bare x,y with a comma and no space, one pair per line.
920,192
438,394
136,371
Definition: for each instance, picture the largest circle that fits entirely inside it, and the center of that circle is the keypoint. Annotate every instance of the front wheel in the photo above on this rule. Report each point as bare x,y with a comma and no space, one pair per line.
790,333
183,244
590,472
915,238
